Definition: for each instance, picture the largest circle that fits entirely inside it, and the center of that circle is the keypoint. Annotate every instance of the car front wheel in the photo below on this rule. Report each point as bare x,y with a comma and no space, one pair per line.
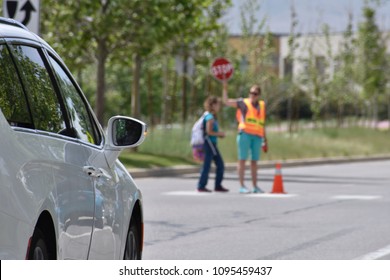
132,250
38,248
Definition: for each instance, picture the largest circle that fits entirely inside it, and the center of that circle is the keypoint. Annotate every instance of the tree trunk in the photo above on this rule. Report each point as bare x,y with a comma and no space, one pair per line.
135,96
375,110
102,54
164,99
184,89
388,112
207,85
194,100
289,112
340,114
150,98
174,105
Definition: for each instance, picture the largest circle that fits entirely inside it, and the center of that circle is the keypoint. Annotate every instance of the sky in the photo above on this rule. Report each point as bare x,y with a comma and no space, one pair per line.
311,15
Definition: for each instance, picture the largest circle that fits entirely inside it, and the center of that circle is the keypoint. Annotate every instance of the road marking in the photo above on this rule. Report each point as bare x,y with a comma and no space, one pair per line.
261,195
357,197
272,195
377,254
188,193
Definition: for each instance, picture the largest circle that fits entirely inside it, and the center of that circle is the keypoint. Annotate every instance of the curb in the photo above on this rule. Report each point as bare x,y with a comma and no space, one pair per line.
188,169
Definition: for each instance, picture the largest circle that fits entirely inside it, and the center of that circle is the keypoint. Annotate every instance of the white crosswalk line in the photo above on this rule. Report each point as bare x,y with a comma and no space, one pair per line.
356,197
377,254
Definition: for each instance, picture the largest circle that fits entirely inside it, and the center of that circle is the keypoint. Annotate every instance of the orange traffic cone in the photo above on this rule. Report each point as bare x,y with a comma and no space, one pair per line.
278,180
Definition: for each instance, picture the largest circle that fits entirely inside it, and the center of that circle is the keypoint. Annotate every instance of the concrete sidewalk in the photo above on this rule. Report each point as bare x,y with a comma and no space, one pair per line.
180,170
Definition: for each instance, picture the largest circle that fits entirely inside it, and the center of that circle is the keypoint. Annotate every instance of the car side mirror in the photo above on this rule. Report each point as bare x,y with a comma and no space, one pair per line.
125,132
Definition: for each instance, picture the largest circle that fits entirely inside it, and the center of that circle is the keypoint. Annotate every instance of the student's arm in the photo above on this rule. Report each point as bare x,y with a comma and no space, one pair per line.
209,129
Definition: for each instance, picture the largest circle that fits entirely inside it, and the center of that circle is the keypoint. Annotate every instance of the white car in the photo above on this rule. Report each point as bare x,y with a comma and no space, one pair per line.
63,192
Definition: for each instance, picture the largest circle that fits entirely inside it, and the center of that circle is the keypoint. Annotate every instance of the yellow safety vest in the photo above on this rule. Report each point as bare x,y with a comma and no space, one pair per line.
254,120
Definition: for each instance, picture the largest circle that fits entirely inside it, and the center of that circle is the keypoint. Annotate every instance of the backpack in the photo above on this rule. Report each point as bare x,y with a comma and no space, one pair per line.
198,138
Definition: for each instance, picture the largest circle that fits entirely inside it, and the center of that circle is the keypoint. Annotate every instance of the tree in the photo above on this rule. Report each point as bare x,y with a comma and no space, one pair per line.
87,31
194,35
118,30
343,83
293,89
197,40
252,29
372,63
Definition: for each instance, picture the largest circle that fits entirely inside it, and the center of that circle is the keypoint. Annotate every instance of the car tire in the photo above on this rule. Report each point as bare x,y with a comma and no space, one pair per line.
132,249
38,247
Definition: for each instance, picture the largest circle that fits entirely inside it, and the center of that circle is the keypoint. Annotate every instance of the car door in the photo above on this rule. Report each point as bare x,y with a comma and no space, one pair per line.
72,190
105,242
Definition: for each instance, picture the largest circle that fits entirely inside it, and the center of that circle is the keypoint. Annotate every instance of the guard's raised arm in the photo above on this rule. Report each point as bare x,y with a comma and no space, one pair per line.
225,98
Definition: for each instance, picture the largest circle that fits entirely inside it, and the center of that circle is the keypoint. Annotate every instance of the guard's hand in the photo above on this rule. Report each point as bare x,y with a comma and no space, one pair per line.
265,146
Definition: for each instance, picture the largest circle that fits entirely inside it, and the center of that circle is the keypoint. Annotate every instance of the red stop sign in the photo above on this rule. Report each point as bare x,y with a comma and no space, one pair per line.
222,69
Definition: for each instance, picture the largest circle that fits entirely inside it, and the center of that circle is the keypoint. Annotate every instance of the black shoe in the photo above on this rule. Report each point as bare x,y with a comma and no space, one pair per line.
221,189
203,190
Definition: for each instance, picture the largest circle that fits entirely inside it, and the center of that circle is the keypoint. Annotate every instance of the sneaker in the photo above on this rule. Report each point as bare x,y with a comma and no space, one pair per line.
221,189
244,190
203,190
257,190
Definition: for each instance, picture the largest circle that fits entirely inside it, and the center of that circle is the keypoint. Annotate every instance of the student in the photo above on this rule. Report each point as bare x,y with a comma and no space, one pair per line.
251,132
211,152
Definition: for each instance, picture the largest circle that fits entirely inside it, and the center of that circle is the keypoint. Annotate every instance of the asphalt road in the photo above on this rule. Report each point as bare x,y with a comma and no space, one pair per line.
329,212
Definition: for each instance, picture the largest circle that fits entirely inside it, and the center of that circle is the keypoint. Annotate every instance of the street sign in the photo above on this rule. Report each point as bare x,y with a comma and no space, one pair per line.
24,11
222,69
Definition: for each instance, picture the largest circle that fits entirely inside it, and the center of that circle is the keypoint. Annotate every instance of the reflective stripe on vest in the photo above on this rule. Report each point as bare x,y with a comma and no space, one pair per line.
254,120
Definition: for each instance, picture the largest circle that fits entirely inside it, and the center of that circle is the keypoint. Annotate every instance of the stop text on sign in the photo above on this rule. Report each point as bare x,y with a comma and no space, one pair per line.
222,69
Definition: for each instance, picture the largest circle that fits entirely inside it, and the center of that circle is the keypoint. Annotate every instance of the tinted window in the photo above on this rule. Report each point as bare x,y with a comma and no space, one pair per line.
45,108
12,100
78,111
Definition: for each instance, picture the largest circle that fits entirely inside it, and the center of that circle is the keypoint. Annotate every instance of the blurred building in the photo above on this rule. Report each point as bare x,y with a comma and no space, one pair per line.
243,47
312,48
318,50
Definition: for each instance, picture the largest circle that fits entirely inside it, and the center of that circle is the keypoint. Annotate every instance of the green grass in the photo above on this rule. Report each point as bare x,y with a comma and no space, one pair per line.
169,147
145,160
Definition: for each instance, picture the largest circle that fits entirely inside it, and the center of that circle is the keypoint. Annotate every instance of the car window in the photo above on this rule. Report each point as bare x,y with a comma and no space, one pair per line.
43,101
78,110
13,103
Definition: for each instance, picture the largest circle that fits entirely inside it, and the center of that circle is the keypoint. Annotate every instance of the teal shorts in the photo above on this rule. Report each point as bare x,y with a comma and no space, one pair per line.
249,143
